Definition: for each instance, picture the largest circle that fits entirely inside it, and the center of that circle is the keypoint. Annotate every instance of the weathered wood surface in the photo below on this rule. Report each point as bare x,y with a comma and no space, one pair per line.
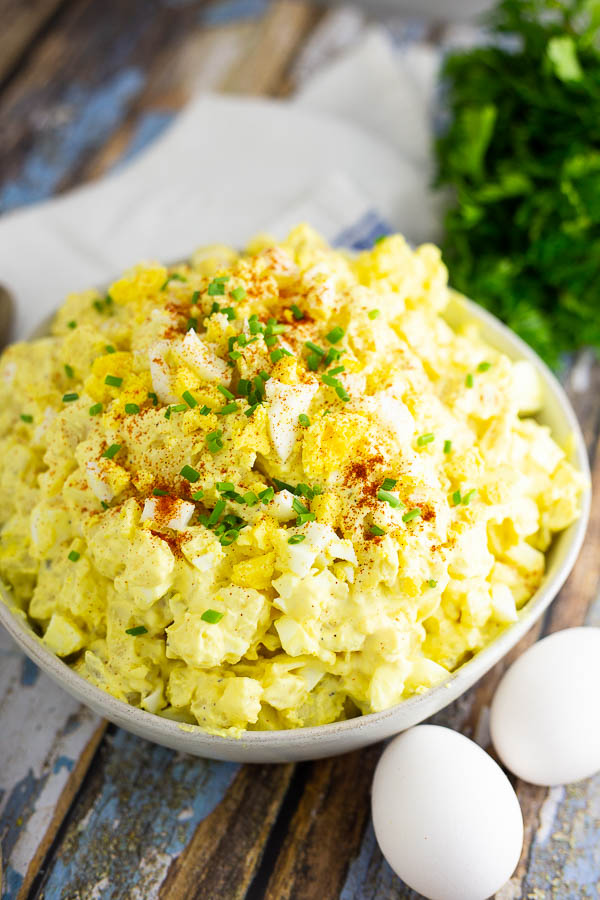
88,814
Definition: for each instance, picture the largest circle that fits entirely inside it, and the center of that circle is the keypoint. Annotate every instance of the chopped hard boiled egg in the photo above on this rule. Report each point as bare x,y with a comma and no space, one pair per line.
273,489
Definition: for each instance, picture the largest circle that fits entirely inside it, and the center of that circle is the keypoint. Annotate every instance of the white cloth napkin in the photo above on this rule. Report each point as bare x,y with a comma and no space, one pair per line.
350,154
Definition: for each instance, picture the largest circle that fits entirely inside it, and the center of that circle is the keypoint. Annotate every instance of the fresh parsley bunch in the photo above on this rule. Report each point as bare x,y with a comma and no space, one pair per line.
522,155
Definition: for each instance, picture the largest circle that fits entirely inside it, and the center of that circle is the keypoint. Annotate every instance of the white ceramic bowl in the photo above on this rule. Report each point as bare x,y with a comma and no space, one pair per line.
342,737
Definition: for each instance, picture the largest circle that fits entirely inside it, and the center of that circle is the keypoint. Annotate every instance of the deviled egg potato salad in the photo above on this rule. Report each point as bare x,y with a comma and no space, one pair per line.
273,489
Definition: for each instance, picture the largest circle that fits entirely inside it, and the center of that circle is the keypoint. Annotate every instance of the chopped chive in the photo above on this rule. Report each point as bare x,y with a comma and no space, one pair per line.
214,441
223,486
25,417
189,399
190,474
174,277
168,413
235,355
379,239
284,486
484,366
432,583
468,497
152,396
411,514
447,446
373,313
104,504
204,411
98,305
212,616
132,409
228,408
276,355
304,420
296,539
69,371
230,536
389,484
137,630
313,362
218,510
72,324
226,393
386,497
469,380
192,322
197,495
216,288
277,328
250,498
456,498
251,410
69,398
342,393
425,439
296,312
337,371
229,312
112,451
113,380
238,293
377,531
303,518
74,556
315,349
298,506
267,494
215,308
195,297
157,492
335,335
110,349
179,407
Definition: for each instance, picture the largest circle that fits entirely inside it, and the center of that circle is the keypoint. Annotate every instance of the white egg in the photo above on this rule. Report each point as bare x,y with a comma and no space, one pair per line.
446,816
545,715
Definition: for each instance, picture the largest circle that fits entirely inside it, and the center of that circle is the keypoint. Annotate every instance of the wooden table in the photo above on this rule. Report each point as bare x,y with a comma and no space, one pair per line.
89,811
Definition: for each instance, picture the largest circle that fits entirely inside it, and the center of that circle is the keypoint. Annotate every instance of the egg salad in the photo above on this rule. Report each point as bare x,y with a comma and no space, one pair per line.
273,489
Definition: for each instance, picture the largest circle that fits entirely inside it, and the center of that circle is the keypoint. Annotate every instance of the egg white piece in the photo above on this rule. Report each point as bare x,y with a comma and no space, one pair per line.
201,357
445,815
286,403
545,716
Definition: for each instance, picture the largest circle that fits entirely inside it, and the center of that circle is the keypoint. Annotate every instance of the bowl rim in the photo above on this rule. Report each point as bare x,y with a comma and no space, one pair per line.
195,738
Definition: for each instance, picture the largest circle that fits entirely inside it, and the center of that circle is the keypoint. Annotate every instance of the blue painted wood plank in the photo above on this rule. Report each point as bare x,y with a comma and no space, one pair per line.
141,816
